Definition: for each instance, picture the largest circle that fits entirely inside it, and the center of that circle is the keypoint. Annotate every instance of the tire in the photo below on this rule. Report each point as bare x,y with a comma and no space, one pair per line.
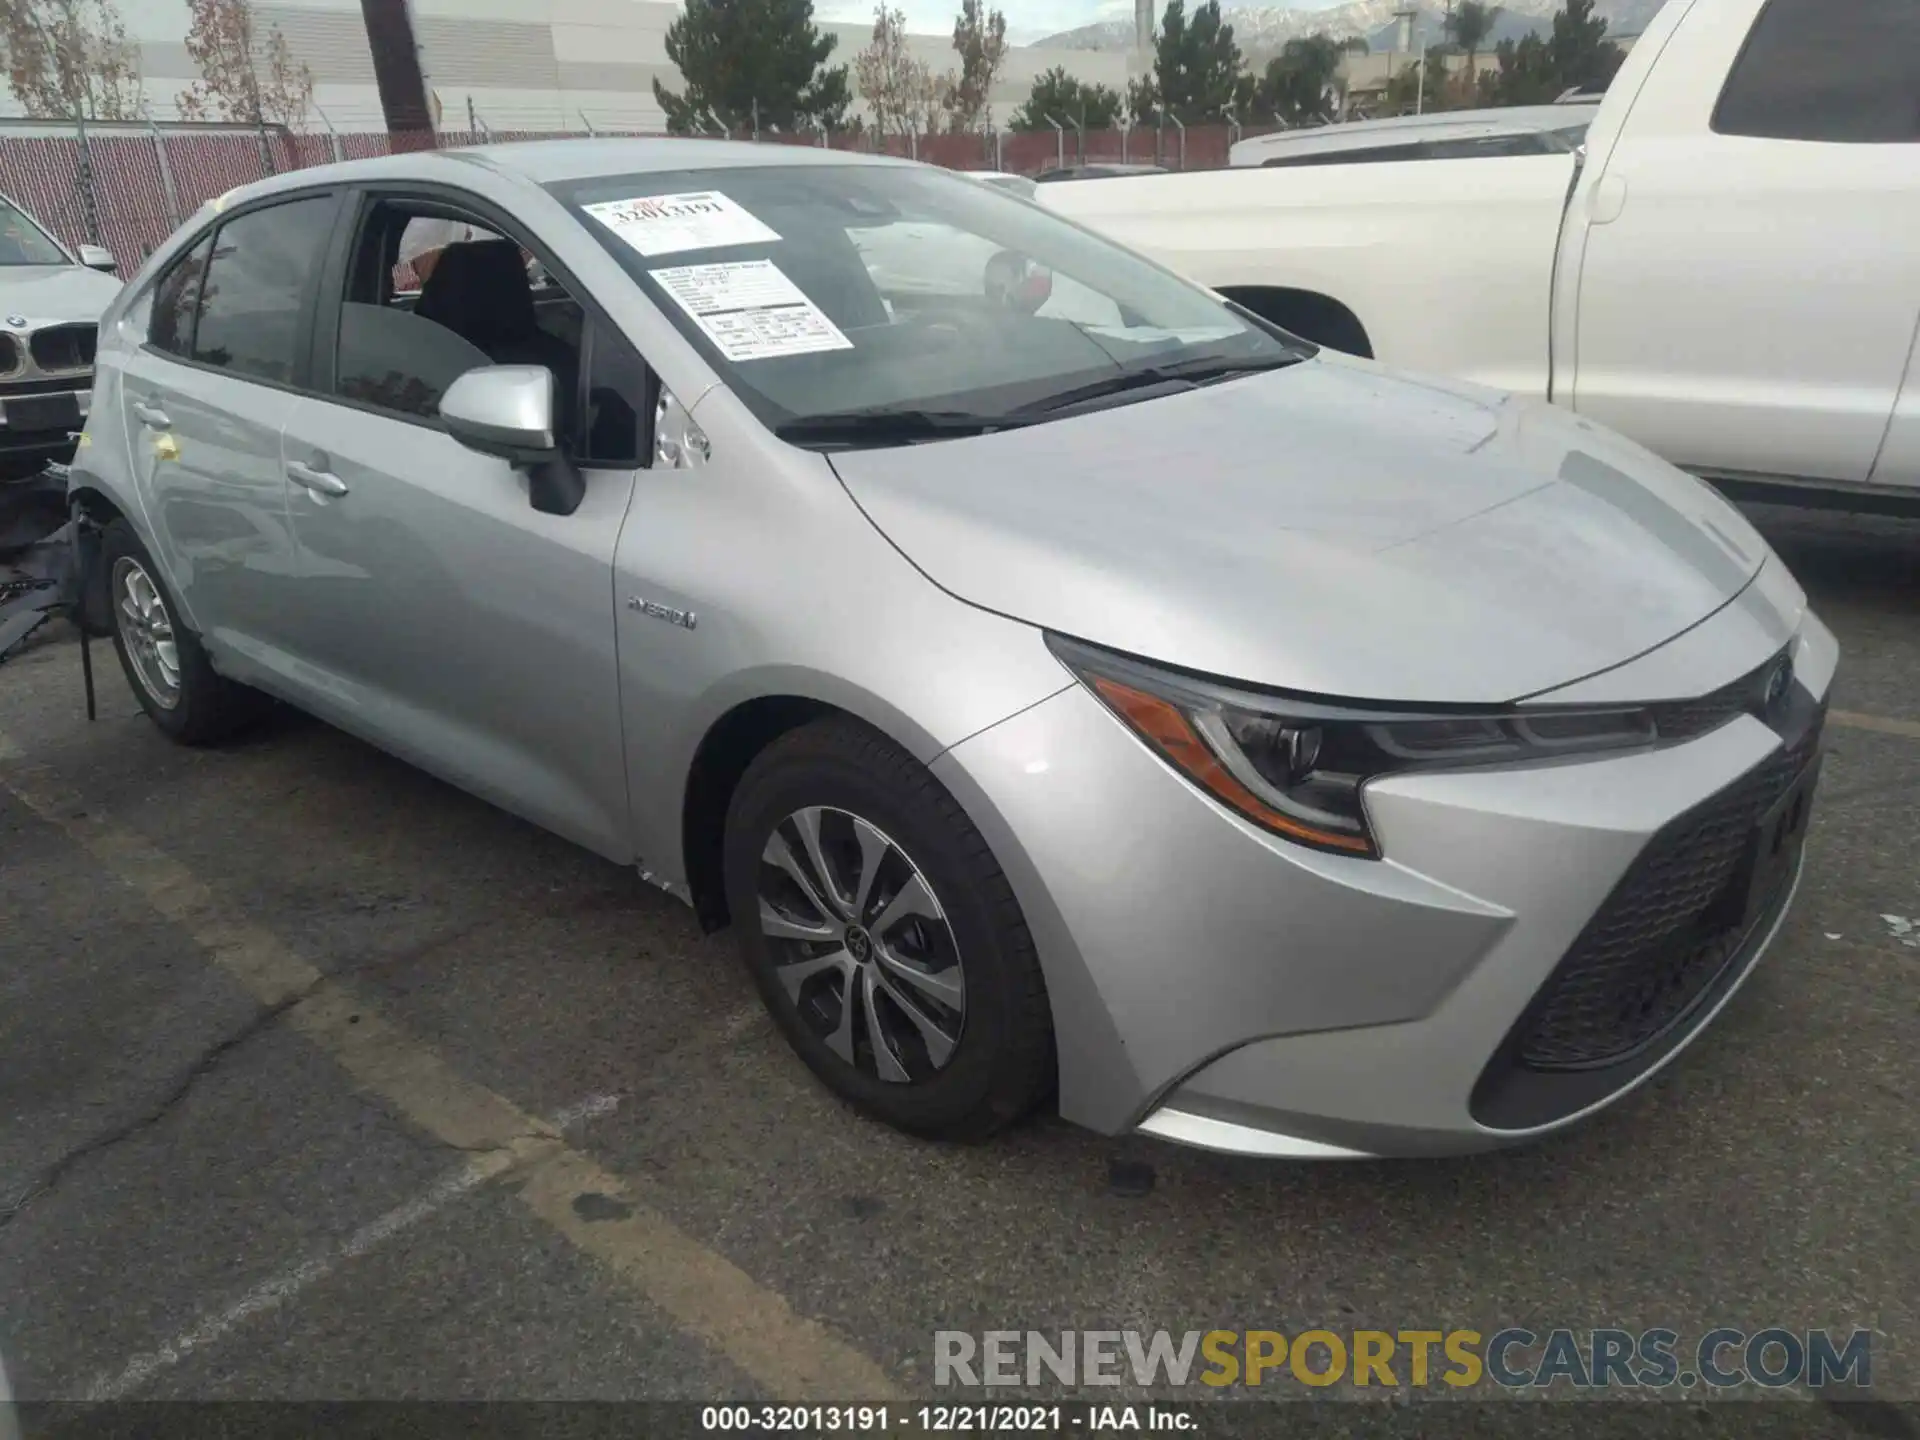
199,706
1000,1061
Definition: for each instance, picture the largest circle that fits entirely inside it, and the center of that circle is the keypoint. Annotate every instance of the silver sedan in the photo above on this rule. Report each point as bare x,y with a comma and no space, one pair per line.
1065,684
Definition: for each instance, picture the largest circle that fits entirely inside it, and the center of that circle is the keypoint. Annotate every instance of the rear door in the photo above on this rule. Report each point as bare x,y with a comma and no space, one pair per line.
1751,279
442,617
205,400
1899,463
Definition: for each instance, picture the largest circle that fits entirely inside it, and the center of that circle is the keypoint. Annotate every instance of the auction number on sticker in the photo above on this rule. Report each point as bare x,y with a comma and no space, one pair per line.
810,1418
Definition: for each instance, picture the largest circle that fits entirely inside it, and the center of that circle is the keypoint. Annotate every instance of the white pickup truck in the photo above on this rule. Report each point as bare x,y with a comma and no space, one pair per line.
1729,272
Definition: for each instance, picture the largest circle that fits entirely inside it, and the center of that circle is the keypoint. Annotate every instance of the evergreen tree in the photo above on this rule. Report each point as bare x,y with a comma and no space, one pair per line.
1536,71
1299,82
1059,95
1196,64
744,60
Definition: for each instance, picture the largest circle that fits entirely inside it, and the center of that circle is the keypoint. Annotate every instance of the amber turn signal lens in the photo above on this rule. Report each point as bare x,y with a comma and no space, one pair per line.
1162,725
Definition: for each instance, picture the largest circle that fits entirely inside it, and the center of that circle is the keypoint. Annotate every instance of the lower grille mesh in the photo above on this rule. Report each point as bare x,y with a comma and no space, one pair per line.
1665,933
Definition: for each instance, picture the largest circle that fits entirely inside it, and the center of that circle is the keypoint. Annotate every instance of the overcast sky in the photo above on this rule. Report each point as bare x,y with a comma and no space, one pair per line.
1027,20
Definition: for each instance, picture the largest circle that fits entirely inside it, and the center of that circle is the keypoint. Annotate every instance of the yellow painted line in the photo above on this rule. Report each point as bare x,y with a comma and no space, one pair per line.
1880,724
792,1356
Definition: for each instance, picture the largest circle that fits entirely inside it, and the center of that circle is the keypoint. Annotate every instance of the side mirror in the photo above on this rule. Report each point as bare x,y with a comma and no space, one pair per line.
507,411
98,257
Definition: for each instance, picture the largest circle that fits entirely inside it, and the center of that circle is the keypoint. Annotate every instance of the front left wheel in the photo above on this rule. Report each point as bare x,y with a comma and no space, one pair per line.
883,936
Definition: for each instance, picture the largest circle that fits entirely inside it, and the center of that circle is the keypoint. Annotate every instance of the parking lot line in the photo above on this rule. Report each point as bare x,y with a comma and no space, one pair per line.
272,1293
791,1355
1881,724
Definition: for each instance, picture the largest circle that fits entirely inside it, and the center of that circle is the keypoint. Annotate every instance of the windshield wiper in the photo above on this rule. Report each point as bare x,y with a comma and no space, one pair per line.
1184,374
893,427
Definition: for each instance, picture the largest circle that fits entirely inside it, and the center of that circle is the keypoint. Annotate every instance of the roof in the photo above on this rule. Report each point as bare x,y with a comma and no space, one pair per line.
1401,129
548,160
545,161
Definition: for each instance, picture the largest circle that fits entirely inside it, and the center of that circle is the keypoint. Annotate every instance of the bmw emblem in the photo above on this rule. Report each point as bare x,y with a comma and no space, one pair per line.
18,322
1778,681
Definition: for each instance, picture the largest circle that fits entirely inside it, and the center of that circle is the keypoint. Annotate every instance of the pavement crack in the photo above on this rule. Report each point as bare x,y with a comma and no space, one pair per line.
209,1059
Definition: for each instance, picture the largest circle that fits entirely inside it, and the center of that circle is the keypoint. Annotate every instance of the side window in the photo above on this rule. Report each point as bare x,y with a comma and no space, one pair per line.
1380,153
431,295
176,300
620,399
423,238
1482,147
1845,72
255,288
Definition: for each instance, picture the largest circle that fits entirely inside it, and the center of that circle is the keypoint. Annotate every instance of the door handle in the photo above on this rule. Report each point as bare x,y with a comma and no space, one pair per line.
320,482
151,416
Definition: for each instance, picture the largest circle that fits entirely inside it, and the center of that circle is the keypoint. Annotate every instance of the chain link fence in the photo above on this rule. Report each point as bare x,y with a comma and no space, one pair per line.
127,187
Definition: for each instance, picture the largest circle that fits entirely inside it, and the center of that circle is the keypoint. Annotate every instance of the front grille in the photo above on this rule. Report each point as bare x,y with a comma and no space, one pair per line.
1667,932
11,357
64,347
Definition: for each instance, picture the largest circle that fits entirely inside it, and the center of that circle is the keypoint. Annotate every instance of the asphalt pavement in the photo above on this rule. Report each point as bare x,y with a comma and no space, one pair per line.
321,1080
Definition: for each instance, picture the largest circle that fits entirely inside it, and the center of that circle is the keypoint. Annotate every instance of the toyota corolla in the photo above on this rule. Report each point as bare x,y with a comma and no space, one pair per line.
1065,684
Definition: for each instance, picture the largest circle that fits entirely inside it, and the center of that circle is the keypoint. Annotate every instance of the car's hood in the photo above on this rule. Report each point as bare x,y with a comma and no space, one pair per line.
46,294
1331,528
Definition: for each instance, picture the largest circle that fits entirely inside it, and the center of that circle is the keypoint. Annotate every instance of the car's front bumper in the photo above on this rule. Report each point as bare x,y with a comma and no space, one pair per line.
44,417
1215,985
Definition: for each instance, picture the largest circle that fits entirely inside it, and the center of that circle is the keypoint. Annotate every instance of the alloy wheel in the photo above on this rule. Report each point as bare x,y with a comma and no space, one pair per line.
861,944
146,629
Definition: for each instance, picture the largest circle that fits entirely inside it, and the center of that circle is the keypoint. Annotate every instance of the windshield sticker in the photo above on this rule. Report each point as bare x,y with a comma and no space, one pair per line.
751,310
668,224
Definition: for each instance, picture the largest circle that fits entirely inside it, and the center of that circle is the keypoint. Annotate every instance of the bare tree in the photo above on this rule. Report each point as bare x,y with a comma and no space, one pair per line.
899,89
71,57
980,37
244,76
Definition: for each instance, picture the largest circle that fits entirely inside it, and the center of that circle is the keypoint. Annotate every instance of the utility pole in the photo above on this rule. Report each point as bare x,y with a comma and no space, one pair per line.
1402,39
397,66
89,203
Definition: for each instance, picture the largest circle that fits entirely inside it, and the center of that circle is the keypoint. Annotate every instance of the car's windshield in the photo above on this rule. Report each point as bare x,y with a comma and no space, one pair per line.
24,243
824,290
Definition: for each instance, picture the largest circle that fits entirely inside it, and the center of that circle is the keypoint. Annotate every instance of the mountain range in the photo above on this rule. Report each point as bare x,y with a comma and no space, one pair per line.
1263,28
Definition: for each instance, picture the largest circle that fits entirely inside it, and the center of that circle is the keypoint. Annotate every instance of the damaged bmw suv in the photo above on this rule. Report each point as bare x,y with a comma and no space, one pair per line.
1064,682
50,304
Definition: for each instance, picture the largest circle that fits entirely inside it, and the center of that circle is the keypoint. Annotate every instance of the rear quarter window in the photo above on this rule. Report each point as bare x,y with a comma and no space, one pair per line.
176,301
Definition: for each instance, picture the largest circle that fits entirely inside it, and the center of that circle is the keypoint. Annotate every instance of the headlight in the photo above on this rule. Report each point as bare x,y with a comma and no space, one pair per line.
1297,766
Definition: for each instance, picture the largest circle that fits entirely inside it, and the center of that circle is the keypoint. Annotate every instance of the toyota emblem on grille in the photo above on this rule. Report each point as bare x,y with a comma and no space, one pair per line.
1777,683
18,322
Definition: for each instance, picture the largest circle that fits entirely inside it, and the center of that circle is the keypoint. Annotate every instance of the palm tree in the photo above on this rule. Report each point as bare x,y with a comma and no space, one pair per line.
1470,24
